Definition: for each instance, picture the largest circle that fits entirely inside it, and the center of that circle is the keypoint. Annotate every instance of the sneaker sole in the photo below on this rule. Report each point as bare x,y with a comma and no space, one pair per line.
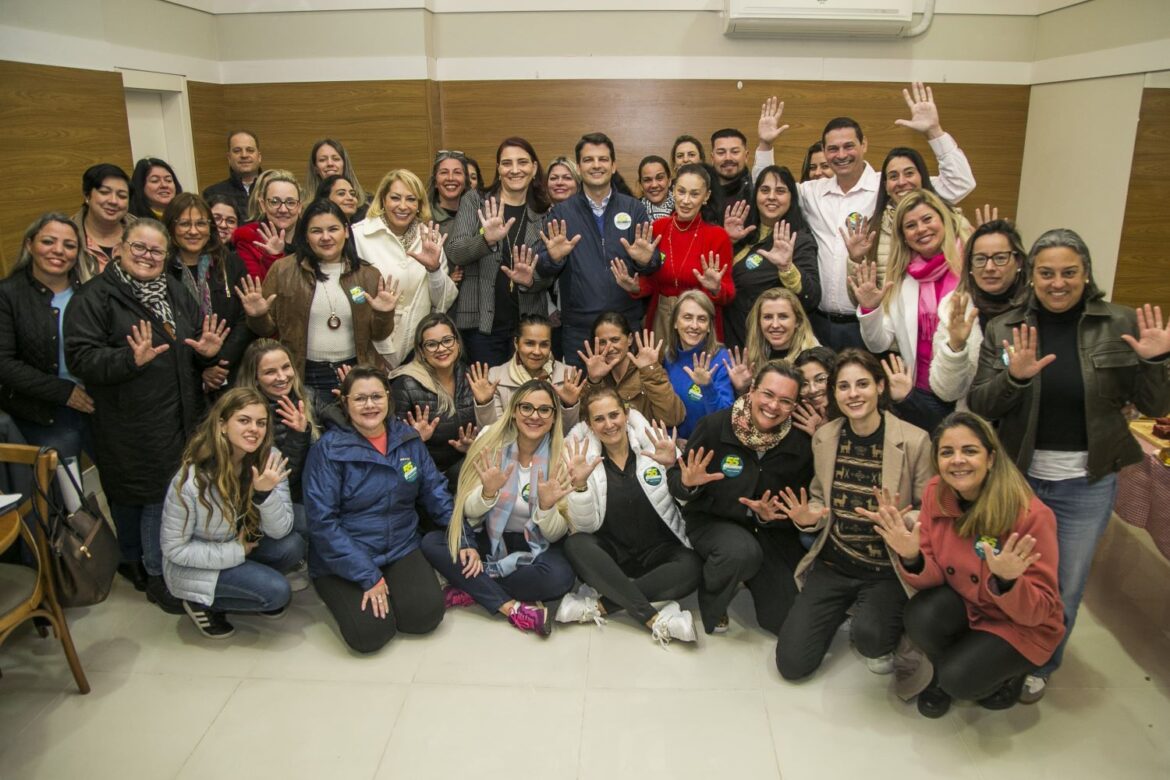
195,621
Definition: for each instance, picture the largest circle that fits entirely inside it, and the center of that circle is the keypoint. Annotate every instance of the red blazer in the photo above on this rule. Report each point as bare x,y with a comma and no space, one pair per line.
256,259
680,259
1029,616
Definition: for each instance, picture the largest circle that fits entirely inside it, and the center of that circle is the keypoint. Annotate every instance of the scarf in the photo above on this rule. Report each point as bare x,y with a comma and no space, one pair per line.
197,284
500,562
418,371
408,238
746,431
152,295
935,280
519,374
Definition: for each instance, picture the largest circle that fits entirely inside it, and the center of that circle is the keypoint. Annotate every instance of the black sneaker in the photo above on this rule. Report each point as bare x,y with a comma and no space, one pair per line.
157,593
1005,696
933,702
275,614
211,624
135,573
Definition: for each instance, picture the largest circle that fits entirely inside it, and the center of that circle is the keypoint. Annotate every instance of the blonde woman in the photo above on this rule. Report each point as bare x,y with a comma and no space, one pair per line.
777,329
399,238
694,360
511,494
273,208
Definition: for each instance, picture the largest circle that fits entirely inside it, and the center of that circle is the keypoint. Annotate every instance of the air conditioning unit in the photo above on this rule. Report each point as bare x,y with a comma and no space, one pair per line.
825,18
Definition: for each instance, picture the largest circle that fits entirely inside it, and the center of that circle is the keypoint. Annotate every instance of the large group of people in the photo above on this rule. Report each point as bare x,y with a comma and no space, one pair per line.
840,393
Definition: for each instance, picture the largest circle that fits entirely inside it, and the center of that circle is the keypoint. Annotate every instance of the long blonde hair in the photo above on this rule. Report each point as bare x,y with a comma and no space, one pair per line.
756,346
249,371
209,456
496,437
260,190
900,254
711,345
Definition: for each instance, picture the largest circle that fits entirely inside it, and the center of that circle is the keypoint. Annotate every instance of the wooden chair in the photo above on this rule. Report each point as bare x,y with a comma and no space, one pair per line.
27,593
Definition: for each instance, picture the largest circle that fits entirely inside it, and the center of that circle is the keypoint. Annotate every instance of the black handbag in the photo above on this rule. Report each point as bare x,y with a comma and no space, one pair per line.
83,550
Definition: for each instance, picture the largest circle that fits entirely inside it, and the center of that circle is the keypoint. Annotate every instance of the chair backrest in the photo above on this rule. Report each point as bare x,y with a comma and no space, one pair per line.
44,466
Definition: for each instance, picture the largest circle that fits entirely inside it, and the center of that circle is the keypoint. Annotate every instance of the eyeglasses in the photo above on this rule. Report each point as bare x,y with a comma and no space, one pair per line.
820,380
199,224
432,345
277,203
999,258
439,155
222,220
373,399
139,249
544,411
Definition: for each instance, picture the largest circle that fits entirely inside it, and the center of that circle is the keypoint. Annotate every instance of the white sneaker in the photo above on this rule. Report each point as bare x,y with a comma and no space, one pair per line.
883,664
1033,690
673,623
298,578
580,607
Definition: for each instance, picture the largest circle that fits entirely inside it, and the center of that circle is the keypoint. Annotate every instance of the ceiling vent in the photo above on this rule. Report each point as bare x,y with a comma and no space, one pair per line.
822,18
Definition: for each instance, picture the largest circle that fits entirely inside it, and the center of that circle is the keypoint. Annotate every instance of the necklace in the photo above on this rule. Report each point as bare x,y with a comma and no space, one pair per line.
511,239
670,240
334,322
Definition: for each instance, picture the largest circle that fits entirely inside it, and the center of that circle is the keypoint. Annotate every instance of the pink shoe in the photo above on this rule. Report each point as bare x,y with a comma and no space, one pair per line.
453,597
531,617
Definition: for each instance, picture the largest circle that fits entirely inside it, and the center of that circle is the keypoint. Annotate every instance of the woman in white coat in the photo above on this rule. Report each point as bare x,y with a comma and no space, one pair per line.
629,545
397,237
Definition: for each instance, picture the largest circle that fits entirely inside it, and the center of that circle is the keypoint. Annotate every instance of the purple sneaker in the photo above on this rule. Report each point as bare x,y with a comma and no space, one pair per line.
453,597
531,617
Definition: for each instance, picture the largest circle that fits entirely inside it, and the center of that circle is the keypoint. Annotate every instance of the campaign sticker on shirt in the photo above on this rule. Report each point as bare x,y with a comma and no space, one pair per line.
525,492
409,470
731,466
652,475
853,221
358,294
695,393
622,220
991,540
753,261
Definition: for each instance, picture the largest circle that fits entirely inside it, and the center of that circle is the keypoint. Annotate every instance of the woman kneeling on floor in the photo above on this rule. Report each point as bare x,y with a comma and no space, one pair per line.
227,516
629,546
512,499
983,555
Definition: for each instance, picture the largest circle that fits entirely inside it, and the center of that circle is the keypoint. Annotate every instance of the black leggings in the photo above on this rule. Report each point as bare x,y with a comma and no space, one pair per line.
968,663
666,571
416,604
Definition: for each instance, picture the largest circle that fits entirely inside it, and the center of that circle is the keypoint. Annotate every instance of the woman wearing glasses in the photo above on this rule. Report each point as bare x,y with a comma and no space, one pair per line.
275,206
226,216
513,500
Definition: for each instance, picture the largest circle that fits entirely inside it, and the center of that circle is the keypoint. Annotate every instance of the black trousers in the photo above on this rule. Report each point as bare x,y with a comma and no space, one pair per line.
764,559
968,663
631,581
416,604
820,609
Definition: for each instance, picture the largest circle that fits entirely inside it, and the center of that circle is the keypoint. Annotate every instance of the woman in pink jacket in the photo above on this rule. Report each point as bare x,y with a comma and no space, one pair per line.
983,557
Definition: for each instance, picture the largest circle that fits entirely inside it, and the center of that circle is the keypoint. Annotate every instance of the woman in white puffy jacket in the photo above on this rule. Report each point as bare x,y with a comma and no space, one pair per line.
992,280
628,543
227,518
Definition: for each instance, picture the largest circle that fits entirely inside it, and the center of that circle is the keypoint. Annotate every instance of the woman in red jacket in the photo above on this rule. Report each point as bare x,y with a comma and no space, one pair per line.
983,557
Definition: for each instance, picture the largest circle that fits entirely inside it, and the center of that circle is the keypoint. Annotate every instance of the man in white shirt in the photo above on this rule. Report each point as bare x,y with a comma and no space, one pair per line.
830,205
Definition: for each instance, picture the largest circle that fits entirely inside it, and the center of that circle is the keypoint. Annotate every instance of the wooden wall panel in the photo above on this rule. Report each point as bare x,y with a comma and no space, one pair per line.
208,131
1143,262
54,123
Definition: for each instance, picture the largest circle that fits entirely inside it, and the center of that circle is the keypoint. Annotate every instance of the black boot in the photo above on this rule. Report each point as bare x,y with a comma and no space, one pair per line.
933,702
1005,696
135,573
157,593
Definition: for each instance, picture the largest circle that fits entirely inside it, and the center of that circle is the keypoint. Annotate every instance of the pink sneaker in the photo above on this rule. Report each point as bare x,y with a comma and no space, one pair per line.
453,597
531,617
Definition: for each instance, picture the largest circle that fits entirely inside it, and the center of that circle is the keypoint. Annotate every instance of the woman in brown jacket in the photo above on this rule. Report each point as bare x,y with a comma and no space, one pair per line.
639,377
316,300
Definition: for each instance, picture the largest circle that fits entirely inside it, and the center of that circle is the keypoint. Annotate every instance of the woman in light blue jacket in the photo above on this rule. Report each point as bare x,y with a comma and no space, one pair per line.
227,516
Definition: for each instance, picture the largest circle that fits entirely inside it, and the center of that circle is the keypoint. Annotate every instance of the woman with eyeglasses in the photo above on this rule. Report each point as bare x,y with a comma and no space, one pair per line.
136,341
511,496
815,364
226,216
103,217
364,483
329,307
432,392
328,158
273,208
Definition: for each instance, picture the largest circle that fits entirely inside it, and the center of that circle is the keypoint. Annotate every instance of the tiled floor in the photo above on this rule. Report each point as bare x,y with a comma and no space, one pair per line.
478,699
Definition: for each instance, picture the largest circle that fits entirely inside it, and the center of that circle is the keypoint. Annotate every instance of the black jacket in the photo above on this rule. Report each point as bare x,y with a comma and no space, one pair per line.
408,393
234,189
294,445
789,464
225,302
755,274
142,416
29,386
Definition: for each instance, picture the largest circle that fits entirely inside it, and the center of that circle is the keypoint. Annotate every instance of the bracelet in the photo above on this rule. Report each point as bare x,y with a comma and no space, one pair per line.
583,489
490,498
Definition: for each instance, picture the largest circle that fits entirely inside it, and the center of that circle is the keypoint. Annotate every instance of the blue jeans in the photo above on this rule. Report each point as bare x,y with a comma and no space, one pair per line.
258,584
1082,510
140,534
69,434
322,377
923,409
836,335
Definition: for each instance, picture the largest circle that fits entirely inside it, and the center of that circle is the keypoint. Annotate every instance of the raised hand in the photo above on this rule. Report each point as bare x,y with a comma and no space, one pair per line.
1021,354
292,415
551,490
739,370
430,250
897,377
988,214
252,298
492,475
807,418
491,217
1153,340
649,349
783,247
799,510
482,388
1014,559
960,322
597,365
711,274
569,391
693,468
211,337
767,508
769,127
386,298
275,471
700,370
579,463
421,422
271,239
215,377
858,239
923,112
623,277
556,240
733,218
141,341
863,283
890,522
642,250
466,436
665,451
523,269
80,400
